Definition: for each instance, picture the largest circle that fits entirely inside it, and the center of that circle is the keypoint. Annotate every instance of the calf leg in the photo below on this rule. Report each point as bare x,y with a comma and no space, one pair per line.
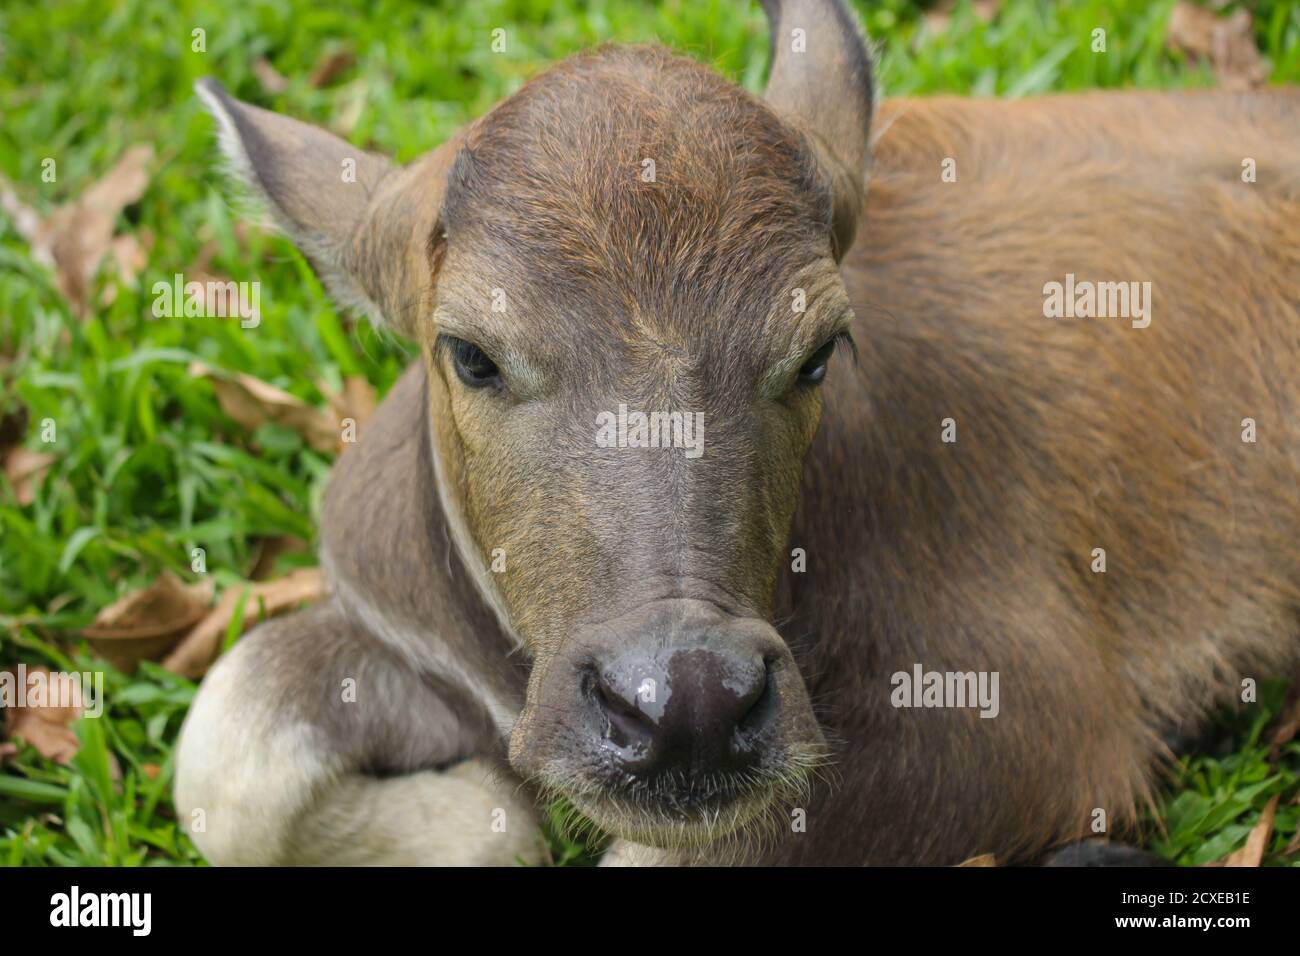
1098,852
311,742
432,817
626,853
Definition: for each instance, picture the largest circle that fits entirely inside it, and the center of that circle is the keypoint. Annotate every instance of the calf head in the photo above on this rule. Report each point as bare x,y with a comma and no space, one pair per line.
624,282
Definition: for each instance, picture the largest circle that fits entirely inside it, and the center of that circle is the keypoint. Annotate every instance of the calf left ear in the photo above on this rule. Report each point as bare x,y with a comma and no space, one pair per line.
366,224
821,83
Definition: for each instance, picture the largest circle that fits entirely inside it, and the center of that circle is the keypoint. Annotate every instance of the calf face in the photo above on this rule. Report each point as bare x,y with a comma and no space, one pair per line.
625,287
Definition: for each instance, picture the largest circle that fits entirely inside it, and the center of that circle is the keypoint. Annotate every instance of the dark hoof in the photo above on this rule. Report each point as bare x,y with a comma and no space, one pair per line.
1101,853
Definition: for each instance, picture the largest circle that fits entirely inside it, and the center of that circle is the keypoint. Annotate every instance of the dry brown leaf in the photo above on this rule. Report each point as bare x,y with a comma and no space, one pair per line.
195,654
45,728
936,20
1227,42
1288,722
26,220
1252,854
25,469
1191,29
244,230
269,550
48,728
330,67
272,80
357,402
146,624
130,255
252,403
210,281
359,396
212,285
984,859
74,239
355,97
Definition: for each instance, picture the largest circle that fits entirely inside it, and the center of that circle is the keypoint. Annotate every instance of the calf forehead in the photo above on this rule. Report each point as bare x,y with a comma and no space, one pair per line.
637,189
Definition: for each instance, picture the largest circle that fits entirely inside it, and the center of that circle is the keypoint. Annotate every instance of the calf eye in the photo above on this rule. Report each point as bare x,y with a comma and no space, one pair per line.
473,367
814,370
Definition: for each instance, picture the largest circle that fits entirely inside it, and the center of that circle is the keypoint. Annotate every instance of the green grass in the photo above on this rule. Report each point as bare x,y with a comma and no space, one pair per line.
148,466
1217,794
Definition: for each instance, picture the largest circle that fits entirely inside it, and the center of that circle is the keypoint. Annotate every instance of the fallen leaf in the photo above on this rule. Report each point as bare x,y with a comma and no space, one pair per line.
13,427
45,728
244,230
253,403
130,255
25,469
1227,42
212,283
356,403
354,104
984,859
146,624
1252,854
74,239
218,293
195,654
359,396
1288,722
1191,29
272,80
25,219
269,550
936,20
330,67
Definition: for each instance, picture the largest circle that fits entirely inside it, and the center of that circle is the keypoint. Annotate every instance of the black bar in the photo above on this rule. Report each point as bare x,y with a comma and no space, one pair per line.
323,907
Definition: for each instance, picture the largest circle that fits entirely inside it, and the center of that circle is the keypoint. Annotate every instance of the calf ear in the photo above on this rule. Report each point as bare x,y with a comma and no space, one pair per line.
367,225
821,83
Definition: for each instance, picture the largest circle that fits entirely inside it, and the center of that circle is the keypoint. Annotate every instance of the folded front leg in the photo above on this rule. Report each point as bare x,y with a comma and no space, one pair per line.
311,742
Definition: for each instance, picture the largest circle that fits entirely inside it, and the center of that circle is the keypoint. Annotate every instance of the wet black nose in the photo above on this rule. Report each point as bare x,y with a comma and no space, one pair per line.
683,711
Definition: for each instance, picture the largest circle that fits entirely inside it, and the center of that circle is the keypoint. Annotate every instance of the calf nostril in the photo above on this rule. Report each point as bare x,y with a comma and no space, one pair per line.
627,726
719,716
758,705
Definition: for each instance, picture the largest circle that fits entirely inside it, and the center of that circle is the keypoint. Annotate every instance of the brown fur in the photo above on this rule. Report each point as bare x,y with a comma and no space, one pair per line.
1072,434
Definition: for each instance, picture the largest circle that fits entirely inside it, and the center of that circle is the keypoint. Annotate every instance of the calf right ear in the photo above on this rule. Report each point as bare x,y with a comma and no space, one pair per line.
368,226
821,82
